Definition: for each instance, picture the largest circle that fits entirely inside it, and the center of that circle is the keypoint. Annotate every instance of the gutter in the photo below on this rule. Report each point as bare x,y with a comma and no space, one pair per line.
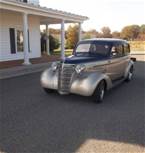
43,9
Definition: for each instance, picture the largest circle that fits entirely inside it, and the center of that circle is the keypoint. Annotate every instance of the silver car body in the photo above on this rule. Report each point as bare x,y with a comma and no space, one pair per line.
65,79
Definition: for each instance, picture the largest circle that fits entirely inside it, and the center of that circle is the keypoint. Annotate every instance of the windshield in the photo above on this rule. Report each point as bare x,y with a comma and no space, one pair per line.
97,48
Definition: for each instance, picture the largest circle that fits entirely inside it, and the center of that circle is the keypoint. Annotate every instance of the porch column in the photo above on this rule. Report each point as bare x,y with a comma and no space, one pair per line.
25,34
47,40
62,40
80,31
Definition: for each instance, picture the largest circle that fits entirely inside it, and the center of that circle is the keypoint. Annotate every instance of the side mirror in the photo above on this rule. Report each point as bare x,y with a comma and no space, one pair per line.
133,59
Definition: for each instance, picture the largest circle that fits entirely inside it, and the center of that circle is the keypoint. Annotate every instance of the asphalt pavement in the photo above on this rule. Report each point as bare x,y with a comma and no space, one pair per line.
33,122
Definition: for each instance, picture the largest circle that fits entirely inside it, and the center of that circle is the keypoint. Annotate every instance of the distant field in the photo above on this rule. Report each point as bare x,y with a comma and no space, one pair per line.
137,45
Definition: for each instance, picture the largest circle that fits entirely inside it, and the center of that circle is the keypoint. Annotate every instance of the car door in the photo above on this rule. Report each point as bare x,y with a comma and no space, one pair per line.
116,65
126,55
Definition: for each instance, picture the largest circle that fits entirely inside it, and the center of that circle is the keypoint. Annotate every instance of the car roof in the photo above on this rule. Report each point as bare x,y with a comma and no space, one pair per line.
111,40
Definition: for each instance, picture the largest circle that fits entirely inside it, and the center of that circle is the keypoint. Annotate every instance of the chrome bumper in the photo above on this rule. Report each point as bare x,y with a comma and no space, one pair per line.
82,84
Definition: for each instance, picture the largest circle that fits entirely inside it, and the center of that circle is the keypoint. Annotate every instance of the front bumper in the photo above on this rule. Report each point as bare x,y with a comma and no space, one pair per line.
82,84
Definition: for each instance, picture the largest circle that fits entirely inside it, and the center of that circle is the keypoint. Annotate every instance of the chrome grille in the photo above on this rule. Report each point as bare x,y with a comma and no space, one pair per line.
65,76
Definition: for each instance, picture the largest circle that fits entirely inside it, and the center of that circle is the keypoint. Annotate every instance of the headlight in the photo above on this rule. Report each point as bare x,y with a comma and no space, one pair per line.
54,66
80,68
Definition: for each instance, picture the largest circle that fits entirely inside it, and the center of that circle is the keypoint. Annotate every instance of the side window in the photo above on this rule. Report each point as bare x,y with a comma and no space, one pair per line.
126,49
117,51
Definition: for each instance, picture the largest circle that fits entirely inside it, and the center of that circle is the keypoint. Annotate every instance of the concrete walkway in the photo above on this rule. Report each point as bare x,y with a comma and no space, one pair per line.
22,70
42,59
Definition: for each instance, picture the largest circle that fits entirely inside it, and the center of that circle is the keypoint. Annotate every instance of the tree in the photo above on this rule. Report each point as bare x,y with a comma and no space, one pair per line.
142,29
115,34
90,34
72,36
98,35
53,43
141,36
106,32
86,35
126,33
130,32
54,31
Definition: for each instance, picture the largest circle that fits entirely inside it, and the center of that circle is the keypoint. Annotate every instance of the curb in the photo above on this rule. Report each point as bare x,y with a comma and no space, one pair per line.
22,70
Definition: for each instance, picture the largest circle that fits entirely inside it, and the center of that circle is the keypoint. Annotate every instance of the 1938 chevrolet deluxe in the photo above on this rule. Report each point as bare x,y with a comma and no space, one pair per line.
95,66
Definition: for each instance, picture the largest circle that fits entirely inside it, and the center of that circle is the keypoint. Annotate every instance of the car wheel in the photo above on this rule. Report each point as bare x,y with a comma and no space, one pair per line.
99,93
48,90
130,74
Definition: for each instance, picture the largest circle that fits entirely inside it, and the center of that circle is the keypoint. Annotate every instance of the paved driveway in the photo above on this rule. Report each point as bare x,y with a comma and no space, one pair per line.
34,122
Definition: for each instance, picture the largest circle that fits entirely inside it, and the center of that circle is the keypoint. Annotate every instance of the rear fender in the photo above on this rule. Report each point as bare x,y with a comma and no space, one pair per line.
130,64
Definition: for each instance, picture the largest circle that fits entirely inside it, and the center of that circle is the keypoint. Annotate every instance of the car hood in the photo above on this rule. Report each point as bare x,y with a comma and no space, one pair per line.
82,59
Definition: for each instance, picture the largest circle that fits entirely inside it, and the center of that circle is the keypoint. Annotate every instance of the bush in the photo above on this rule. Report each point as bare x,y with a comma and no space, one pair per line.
53,43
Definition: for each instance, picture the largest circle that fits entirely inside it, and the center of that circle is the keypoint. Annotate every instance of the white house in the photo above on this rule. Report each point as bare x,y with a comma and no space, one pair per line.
20,22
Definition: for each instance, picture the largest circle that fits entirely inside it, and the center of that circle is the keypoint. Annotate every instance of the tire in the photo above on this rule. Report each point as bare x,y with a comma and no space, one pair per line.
130,74
48,90
99,93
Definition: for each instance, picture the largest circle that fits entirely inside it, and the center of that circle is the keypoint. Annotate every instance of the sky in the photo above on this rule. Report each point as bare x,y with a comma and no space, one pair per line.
113,13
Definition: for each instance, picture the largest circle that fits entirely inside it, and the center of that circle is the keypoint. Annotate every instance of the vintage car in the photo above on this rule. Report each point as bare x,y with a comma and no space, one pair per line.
95,66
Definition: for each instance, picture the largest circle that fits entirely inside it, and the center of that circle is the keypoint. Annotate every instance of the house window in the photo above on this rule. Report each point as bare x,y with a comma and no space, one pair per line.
20,41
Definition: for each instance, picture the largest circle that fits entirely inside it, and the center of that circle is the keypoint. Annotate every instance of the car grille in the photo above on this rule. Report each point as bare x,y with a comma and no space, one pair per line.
66,72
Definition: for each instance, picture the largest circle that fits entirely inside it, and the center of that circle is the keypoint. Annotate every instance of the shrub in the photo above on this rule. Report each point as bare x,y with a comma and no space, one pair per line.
53,43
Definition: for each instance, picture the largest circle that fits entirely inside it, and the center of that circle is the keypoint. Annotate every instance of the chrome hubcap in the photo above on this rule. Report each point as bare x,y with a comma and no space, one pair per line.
102,94
130,75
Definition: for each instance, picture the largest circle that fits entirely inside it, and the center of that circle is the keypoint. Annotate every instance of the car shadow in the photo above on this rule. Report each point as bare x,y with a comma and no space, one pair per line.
55,123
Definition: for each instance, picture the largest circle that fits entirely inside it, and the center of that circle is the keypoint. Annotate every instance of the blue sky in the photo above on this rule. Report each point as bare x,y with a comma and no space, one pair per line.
113,13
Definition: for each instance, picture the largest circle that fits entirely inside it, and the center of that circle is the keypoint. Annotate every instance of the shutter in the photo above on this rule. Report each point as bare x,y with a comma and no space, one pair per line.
28,40
25,1
12,40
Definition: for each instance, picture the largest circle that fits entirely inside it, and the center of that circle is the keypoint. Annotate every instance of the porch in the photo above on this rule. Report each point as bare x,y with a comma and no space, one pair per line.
40,60
30,31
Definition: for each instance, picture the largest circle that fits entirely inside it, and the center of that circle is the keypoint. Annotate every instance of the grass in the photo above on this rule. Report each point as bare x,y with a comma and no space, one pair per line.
68,52
137,45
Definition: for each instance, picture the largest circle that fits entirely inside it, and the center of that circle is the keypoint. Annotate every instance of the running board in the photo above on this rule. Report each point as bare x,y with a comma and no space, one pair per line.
116,83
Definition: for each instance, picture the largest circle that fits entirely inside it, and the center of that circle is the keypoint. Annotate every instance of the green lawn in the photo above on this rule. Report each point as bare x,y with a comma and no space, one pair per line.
68,52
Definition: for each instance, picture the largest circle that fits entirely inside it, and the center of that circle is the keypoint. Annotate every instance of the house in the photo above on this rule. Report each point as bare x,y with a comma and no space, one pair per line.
20,22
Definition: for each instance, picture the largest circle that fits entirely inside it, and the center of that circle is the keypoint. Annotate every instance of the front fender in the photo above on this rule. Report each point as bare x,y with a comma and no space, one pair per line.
85,84
49,79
